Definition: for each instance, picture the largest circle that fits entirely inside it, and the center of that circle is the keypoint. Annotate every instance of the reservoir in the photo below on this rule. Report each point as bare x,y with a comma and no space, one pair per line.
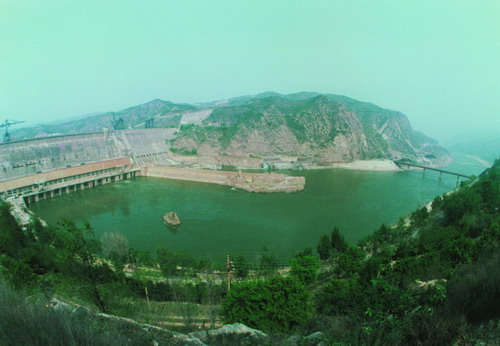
218,220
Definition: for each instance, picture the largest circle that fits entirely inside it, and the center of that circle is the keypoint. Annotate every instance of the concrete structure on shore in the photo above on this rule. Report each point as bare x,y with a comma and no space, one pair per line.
251,182
42,168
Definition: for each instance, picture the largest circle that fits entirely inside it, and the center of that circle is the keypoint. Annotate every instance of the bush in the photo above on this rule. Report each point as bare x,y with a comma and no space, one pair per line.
277,304
305,269
476,290
340,296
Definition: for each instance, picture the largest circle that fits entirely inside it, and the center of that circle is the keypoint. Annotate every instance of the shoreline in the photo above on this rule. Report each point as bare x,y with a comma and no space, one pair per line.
250,182
483,162
369,165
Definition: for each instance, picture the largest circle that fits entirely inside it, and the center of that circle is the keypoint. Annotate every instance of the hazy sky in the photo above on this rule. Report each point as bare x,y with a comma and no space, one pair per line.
436,61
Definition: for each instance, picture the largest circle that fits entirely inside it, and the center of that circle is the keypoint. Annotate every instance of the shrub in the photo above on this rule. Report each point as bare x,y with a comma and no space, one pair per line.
277,304
324,247
305,268
340,296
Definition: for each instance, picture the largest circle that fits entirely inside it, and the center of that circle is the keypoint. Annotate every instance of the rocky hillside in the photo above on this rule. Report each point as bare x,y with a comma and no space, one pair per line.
319,128
325,128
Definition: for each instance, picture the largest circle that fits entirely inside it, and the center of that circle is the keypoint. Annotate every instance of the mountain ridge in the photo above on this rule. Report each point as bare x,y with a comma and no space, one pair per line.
326,127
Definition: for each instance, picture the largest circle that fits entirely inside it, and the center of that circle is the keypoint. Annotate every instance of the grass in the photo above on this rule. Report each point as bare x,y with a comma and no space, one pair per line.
178,316
35,323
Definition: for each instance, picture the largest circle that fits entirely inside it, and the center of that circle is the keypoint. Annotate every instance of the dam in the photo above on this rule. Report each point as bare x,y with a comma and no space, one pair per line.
41,167
46,167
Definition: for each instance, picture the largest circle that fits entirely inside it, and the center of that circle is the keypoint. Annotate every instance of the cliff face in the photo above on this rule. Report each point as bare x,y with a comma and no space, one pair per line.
328,128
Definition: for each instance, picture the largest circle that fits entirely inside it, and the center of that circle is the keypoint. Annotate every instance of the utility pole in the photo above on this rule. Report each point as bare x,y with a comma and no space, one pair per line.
147,298
228,273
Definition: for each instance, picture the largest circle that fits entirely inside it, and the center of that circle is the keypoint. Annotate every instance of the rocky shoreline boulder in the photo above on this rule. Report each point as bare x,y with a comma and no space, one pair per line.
231,334
171,219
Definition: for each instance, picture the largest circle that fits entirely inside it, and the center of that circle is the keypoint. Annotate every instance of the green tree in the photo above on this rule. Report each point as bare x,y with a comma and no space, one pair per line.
324,247
437,203
144,258
305,268
340,296
12,238
338,242
419,216
276,304
167,260
458,204
115,247
306,252
241,267
79,249
115,243
268,262
349,262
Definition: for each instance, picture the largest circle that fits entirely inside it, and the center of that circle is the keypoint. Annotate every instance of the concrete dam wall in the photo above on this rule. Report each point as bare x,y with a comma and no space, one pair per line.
29,157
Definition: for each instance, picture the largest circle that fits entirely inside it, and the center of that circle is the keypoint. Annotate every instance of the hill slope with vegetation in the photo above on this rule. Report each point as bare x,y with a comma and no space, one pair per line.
328,127
431,279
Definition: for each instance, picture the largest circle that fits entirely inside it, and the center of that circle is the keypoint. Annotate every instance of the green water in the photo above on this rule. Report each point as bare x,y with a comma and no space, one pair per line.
217,220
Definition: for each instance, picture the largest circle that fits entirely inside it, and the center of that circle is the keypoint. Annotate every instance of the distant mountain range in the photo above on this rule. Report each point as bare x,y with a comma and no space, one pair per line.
484,143
329,128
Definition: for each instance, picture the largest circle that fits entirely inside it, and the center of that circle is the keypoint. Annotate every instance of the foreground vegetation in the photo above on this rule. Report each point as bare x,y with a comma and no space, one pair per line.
427,280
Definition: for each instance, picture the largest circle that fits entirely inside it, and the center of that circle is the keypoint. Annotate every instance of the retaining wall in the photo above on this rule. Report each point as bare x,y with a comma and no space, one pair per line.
252,182
200,175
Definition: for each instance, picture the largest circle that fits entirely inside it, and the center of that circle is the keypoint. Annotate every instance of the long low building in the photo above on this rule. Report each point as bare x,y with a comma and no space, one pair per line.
62,181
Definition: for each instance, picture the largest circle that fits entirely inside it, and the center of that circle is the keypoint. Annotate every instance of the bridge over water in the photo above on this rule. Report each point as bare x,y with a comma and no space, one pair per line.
402,164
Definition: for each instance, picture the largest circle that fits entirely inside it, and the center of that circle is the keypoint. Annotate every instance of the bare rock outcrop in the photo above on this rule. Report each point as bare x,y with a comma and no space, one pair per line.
232,334
171,219
265,182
